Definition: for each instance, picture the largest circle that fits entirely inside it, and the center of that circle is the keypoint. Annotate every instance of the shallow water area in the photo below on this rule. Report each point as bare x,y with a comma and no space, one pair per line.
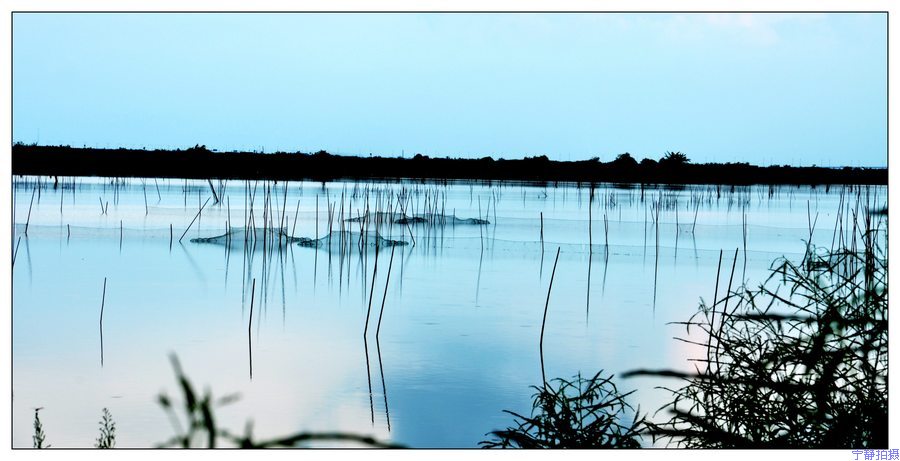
423,343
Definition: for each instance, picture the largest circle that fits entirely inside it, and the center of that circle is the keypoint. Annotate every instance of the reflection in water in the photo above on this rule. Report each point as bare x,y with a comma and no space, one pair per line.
102,304
249,329
605,266
387,411
369,380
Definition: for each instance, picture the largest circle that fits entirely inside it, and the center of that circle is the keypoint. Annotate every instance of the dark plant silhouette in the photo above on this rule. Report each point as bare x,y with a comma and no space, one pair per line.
799,362
581,413
197,149
625,161
201,427
674,159
107,438
39,436
648,163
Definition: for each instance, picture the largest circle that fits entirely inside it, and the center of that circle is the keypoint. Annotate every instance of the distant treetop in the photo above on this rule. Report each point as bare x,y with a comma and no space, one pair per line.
674,159
197,148
625,160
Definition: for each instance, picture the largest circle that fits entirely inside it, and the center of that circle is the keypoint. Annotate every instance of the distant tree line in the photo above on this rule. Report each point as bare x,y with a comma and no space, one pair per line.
200,162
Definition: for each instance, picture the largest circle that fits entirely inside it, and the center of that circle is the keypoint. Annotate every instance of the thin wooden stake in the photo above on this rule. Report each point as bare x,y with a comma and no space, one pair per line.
544,321
386,282
19,240
192,221
28,220
371,291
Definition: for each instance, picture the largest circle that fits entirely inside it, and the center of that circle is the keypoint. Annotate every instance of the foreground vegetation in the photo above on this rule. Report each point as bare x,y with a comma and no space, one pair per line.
196,425
799,362
581,413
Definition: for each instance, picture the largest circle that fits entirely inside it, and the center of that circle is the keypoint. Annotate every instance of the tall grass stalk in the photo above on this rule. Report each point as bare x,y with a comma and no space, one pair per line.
39,436
107,438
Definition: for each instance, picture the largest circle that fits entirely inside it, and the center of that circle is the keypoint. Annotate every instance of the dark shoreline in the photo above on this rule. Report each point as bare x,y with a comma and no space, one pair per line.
200,163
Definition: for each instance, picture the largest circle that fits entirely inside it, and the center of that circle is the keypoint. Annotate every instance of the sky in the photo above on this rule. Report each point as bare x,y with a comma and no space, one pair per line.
764,88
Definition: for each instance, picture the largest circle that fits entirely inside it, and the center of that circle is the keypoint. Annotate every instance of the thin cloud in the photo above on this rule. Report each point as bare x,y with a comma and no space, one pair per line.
763,29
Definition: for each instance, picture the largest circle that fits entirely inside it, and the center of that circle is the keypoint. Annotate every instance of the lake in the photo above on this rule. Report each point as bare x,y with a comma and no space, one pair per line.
282,323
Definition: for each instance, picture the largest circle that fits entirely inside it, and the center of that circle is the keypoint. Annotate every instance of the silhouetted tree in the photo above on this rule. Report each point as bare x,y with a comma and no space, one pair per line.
648,163
625,160
198,148
674,159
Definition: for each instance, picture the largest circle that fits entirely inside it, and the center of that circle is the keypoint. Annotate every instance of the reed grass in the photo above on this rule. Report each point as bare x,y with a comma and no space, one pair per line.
798,362
201,427
39,436
107,437
577,413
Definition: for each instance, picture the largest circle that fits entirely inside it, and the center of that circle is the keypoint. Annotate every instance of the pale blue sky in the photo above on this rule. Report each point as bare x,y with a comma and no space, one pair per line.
765,88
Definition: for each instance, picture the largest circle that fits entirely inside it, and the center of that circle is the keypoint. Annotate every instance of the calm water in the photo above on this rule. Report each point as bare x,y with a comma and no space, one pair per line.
462,312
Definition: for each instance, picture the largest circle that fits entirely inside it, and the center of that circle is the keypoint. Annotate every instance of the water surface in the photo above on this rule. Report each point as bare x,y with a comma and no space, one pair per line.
458,340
